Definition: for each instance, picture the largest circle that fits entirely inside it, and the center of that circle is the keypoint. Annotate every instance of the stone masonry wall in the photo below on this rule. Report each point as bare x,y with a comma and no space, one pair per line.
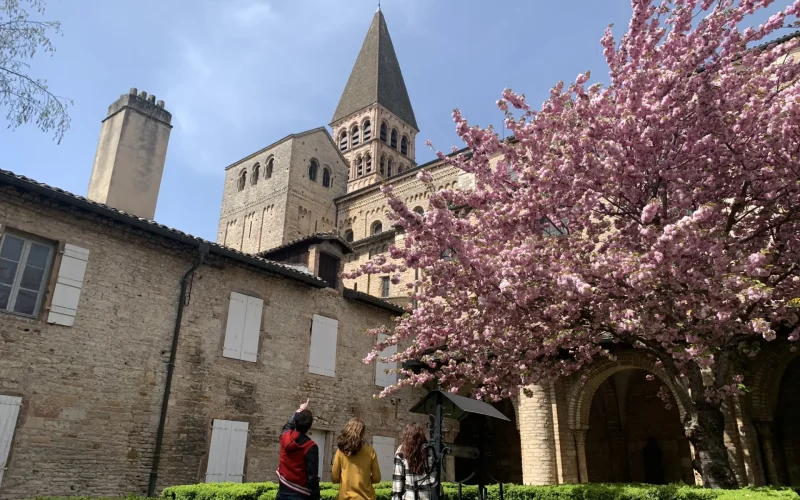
92,392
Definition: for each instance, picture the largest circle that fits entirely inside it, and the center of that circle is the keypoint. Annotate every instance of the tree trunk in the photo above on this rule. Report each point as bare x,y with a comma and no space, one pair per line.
706,431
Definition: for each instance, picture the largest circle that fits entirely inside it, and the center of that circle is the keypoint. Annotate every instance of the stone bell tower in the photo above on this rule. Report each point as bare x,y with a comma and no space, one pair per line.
374,125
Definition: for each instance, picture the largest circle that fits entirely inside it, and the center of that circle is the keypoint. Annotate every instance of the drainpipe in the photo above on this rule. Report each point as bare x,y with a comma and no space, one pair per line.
202,251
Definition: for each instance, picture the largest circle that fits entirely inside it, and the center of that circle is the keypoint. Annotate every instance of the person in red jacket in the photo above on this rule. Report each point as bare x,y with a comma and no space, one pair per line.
298,468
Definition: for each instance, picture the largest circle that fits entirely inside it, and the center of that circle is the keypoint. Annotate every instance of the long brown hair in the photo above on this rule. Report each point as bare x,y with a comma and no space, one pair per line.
414,451
352,437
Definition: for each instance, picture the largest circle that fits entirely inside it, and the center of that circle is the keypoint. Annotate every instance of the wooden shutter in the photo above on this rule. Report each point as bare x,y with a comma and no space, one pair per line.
322,359
234,331
64,305
9,409
218,451
382,378
319,437
236,452
227,451
385,448
252,329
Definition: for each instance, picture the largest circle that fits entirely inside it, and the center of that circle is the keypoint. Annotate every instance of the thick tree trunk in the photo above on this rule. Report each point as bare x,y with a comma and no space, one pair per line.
706,431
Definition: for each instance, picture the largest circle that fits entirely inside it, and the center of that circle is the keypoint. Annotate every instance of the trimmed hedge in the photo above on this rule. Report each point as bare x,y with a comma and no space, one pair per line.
329,491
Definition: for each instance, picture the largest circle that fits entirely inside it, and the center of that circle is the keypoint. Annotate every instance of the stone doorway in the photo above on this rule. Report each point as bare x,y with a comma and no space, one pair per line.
787,423
632,436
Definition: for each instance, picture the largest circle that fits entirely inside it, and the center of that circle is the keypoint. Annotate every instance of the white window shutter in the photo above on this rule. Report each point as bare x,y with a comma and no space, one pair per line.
64,305
319,437
382,378
384,449
9,409
218,451
236,452
252,329
322,359
234,331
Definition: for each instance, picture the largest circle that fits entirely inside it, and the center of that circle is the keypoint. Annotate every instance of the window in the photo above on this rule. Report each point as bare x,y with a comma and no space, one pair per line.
382,378
329,269
377,228
256,172
242,180
419,210
448,254
389,168
369,162
322,358
268,170
385,286
243,327
359,166
354,136
343,141
383,131
385,448
326,177
549,229
227,451
348,236
404,145
24,267
367,131
382,165
312,170
394,138
9,409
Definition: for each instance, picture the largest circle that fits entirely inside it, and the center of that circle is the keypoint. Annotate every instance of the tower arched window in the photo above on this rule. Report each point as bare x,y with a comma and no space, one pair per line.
348,236
383,131
359,166
354,135
268,169
343,141
242,180
394,138
404,145
313,168
389,166
369,162
377,227
419,210
256,172
382,165
326,177
367,128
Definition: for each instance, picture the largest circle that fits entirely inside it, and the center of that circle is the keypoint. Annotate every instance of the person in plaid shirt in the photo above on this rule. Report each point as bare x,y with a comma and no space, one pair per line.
413,477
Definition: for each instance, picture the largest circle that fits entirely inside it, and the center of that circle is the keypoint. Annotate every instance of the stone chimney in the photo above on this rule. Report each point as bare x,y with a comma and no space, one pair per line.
130,155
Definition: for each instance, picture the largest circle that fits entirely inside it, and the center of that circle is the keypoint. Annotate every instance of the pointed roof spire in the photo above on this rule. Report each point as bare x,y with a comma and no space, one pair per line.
376,77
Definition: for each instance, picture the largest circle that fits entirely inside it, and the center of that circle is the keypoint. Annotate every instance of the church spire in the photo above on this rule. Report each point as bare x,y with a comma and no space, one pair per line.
376,78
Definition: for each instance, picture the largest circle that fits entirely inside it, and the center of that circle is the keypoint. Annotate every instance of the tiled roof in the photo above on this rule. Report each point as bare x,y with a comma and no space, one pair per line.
316,237
29,185
376,78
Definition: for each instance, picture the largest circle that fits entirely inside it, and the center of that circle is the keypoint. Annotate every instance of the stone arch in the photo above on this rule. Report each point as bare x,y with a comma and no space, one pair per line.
764,380
581,394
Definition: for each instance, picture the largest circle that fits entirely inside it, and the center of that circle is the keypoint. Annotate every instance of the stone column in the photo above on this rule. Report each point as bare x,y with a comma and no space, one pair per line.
765,440
580,448
537,439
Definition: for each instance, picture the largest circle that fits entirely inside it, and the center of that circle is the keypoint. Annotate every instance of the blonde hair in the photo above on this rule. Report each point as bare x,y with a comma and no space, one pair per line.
352,437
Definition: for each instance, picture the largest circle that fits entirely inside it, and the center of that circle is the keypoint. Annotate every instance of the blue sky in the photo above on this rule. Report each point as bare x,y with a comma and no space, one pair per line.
239,74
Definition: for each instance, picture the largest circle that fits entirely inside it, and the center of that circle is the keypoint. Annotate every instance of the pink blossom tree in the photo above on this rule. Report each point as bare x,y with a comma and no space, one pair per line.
660,212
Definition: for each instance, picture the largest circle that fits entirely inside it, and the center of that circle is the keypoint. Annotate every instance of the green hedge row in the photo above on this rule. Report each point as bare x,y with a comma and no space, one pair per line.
329,491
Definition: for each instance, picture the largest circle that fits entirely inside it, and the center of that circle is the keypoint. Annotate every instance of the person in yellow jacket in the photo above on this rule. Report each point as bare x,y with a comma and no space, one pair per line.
355,467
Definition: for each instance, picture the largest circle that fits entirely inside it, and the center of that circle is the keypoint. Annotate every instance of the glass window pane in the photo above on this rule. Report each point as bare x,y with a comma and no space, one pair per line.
12,247
26,302
38,254
8,269
5,293
32,278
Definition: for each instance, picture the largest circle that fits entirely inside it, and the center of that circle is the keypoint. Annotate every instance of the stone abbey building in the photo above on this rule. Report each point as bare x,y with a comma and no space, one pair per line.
134,356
